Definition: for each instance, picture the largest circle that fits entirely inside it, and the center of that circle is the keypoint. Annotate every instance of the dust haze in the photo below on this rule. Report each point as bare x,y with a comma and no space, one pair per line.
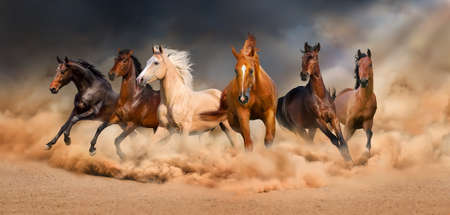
411,126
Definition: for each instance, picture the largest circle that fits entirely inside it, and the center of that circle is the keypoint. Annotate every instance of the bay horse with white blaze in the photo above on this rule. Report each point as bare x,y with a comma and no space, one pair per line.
95,99
250,95
137,105
356,108
311,106
180,105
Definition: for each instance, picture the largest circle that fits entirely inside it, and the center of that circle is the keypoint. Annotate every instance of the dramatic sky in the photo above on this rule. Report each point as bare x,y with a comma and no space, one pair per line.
34,32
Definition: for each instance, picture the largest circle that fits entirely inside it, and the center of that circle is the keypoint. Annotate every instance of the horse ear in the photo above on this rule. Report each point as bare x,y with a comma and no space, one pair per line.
118,50
58,60
155,49
252,52
235,53
359,53
160,49
369,53
307,47
317,47
66,60
131,52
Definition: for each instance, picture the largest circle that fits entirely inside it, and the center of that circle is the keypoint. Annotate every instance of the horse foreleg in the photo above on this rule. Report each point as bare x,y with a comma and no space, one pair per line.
343,149
79,117
269,122
92,149
244,125
61,130
226,128
349,130
129,129
367,126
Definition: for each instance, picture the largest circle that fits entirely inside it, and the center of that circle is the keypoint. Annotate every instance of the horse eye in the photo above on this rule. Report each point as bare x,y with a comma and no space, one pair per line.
156,63
251,71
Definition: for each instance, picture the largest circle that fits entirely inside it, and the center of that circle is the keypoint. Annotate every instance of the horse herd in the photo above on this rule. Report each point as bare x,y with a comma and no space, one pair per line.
177,108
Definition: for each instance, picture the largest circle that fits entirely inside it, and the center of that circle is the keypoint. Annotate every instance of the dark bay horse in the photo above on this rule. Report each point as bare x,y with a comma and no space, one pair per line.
311,106
250,95
137,105
356,108
95,99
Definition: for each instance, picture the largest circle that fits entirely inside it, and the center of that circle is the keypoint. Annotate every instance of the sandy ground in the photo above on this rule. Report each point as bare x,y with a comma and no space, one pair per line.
29,187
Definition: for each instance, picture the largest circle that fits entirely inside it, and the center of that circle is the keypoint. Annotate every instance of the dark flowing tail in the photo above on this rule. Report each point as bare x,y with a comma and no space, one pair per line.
217,115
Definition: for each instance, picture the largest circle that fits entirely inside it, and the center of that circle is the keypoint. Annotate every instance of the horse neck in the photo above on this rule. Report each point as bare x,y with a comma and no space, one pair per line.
83,79
129,87
366,92
173,86
316,82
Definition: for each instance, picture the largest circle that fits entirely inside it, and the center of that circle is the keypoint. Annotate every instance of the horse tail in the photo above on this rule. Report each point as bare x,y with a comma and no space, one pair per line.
281,114
217,115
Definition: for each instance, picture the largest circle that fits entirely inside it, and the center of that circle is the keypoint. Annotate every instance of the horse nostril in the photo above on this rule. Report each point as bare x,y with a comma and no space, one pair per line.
53,90
243,99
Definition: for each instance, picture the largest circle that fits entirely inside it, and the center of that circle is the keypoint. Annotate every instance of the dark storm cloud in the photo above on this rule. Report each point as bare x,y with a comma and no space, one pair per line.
34,32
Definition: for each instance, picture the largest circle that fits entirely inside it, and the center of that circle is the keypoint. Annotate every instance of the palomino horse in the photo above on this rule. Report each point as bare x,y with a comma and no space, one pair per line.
137,105
250,95
356,108
180,104
95,99
311,107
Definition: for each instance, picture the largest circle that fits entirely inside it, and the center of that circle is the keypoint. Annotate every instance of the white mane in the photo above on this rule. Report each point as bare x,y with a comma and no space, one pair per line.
181,60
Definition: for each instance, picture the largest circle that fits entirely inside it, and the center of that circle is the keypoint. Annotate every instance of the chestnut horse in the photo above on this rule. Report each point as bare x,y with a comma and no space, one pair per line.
356,108
95,99
311,106
250,95
137,105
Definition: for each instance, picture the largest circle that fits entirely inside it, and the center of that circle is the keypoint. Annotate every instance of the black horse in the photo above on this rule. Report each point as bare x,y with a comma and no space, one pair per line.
95,99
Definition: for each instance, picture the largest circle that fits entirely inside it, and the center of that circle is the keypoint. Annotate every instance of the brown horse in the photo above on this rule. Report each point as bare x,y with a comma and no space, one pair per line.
95,99
311,107
137,105
356,108
250,95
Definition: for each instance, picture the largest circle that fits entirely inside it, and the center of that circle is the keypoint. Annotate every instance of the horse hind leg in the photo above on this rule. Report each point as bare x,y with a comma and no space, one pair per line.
120,138
343,148
92,149
311,134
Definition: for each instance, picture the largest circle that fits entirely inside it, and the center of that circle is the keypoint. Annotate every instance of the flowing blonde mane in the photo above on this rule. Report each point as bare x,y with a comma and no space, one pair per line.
182,62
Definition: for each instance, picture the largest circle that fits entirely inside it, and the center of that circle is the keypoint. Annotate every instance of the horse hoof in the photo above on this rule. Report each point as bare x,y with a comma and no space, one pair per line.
67,140
48,147
345,153
92,153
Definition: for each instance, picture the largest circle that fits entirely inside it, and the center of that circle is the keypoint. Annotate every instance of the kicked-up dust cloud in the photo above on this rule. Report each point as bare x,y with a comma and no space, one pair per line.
411,131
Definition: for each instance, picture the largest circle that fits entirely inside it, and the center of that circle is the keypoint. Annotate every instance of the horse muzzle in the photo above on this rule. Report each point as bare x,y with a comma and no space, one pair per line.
364,83
303,76
54,90
111,76
244,97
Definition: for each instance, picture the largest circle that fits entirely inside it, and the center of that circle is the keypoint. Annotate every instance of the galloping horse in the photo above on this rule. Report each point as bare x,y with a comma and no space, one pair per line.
95,99
137,105
311,107
180,104
356,108
250,95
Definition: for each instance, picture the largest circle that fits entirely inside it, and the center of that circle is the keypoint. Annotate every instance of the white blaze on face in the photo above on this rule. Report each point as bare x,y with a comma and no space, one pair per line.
244,68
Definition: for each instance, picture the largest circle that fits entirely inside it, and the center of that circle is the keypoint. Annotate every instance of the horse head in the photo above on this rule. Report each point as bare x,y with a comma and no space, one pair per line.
310,59
363,68
245,69
155,69
63,76
122,64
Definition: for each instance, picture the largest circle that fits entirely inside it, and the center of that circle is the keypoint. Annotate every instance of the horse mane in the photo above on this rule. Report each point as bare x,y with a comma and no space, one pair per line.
182,62
90,67
137,65
358,80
